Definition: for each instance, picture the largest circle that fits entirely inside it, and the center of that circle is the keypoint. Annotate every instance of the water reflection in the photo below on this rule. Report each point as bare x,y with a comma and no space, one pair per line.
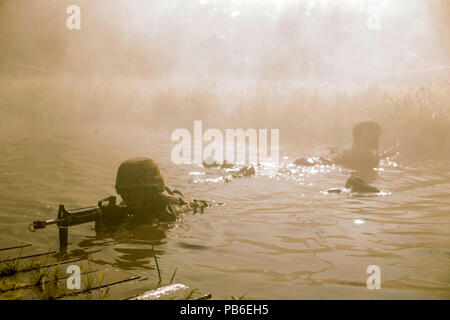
132,248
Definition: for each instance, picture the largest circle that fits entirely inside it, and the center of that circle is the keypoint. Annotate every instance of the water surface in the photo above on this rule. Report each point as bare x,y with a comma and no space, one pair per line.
278,235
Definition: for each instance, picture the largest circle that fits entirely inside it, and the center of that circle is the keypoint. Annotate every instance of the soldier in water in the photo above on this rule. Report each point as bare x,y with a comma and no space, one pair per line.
146,199
363,155
140,184
231,171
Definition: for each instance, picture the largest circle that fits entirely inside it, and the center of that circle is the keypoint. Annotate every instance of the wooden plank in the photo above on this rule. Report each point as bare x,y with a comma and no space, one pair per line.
168,292
40,274
120,291
14,246
124,291
9,244
176,291
45,272
90,281
22,252
37,262
140,289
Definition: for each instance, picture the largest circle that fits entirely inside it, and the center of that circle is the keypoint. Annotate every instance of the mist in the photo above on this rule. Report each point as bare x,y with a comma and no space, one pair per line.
226,39
310,68
310,222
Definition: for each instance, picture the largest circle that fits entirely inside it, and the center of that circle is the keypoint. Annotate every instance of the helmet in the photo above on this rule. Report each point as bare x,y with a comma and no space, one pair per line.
366,134
139,173
369,127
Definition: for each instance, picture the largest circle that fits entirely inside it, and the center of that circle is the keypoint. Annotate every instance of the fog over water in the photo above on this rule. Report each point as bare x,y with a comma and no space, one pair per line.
261,64
74,104
265,39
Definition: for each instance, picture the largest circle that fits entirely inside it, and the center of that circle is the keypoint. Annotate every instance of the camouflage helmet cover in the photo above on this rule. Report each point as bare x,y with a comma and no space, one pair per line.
139,173
368,127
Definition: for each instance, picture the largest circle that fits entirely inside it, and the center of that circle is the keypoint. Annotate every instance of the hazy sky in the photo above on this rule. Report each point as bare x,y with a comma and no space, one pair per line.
268,39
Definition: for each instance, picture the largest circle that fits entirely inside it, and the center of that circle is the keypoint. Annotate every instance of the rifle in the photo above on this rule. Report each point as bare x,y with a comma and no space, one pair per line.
110,214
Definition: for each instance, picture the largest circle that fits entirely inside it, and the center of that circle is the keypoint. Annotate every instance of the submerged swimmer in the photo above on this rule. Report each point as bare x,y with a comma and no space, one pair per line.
363,155
236,172
140,184
364,152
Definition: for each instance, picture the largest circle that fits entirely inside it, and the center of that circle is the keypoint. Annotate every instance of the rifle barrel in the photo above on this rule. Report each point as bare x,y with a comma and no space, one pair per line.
73,217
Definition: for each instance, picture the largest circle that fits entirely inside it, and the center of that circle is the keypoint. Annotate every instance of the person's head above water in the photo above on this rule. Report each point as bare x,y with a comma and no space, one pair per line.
366,134
139,182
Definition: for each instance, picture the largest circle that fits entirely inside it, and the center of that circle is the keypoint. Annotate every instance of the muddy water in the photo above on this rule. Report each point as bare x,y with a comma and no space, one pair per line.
277,236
